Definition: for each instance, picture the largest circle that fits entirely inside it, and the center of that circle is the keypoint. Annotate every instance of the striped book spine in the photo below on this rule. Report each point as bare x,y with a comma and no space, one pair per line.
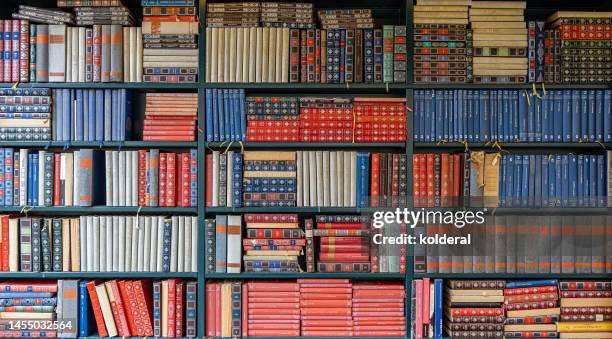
36,245
57,244
166,245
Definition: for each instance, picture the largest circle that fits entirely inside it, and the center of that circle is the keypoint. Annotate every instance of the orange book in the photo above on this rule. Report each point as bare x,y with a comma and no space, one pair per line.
326,285
131,308
326,311
148,132
379,294
176,127
366,333
169,122
275,333
95,306
170,18
378,313
326,290
273,317
375,322
323,296
379,305
142,291
378,287
277,286
276,300
326,303
323,281
210,310
326,328
370,309
167,138
280,311
310,333
117,307
326,323
273,305
268,294
273,326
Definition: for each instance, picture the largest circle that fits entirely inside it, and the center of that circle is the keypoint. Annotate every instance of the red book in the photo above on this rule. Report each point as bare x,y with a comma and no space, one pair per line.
143,294
56,179
356,248
117,307
423,178
131,307
375,180
430,192
245,314
7,49
142,177
218,310
171,308
169,18
352,257
19,286
342,225
402,259
303,56
179,179
275,294
168,123
95,306
185,186
325,303
4,244
275,333
180,310
425,302
210,309
24,50
276,287
457,177
15,50
168,138
416,184
163,164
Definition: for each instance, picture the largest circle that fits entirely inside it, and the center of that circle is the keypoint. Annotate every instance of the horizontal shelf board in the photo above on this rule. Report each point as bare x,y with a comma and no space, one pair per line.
299,145
527,210
104,85
517,145
92,275
507,86
305,275
101,145
513,275
298,87
296,209
59,210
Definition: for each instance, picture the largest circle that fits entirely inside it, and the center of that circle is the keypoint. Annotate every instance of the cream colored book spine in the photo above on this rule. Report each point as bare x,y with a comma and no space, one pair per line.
246,47
319,177
500,37
299,179
141,244
66,245
497,25
227,62
75,245
69,50
81,58
160,242
126,53
107,313
135,243
306,178
259,46
285,56
346,173
497,18
499,4
75,53
180,251
128,243
209,45
451,15
187,236
153,245
333,180
272,55
326,183
13,242
121,252
312,182
220,56
429,20
239,47
265,60
252,55
353,179
340,174
496,11
278,68
232,54
211,61
139,51
194,244
103,239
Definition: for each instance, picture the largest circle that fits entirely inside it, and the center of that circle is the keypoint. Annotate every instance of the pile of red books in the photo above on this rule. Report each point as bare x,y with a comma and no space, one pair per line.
380,119
170,117
532,309
326,120
586,309
342,244
272,309
325,307
272,119
378,309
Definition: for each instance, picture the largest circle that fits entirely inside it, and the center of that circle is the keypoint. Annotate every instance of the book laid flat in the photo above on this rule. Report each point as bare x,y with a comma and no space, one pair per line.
25,114
170,117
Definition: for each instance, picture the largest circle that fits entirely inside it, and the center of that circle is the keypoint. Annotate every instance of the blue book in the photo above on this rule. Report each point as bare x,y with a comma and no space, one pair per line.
2,176
514,132
576,115
226,115
221,243
552,181
545,119
485,115
593,179
237,182
99,120
492,105
558,115
503,166
342,67
455,115
476,131
67,98
193,169
523,107
500,116
115,115
13,295
544,186
231,132
537,116
531,111
507,115
438,309
534,179
35,179
166,244
237,113
566,104
29,188
215,114
601,181
8,183
580,180
126,116
531,283
209,124
564,180
221,114
591,105
417,115
429,116
78,116
599,132
86,115
470,114
91,115
584,115
525,181
518,179
157,308
444,116
438,97
510,180
607,115
243,120
558,180
84,310
587,179
572,179
359,179
550,105
108,115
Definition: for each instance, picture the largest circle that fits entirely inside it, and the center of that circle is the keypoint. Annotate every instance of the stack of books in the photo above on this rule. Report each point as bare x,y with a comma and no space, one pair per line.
135,307
99,244
379,119
98,15
170,117
272,119
262,174
482,299
440,36
341,247
586,309
170,37
326,307
287,14
272,309
581,43
500,54
225,116
44,15
267,258
92,115
243,14
346,18
378,309
223,309
326,119
532,309
25,114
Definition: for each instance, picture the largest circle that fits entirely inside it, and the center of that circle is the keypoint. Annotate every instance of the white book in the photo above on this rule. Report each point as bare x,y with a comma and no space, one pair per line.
252,55
116,242
319,180
132,47
265,58
215,179
229,181
187,240
69,50
227,43
138,54
116,187
96,243
107,313
135,244
75,177
89,254
153,248
23,176
63,169
134,178
75,53
121,251
41,178
333,180
220,56
306,178
57,53
278,68
326,188
141,244
122,176
209,53
83,235
108,175
81,56
109,243
285,56
232,54
13,237
174,244
259,46
246,47
299,180
128,243
239,46
271,55
340,174
234,243
102,238
211,61
312,177
160,243
128,181
146,258
346,172
180,253
126,53
194,244
353,179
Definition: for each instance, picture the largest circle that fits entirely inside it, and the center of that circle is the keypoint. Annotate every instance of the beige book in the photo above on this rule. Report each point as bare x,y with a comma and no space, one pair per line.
533,313
173,58
126,53
164,308
170,64
226,310
69,49
271,56
584,335
451,15
299,181
476,292
25,122
491,179
27,315
138,54
499,4
278,68
239,46
500,18
133,46
495,43
76,42
150,27
475,298
170,52
530,328
326,183
312,177
522,31
319,177
209,47
13,243
233,61
340,181
346,172
500,70
500,37
440,21
496,11
444,2
82,49
272,225
227,42
251,56
497,25
333,178
66,253
211,62
265,58
107,313
501,60
220,56
69,186
306,179
499,66
285,56
586,302
259,55
418,8
353,176
245,55
269,155
75,246
578,14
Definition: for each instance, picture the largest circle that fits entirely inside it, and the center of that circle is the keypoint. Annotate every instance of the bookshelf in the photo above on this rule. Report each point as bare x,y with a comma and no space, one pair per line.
399,12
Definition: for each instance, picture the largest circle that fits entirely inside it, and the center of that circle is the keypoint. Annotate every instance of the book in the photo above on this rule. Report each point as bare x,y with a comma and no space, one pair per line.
170,117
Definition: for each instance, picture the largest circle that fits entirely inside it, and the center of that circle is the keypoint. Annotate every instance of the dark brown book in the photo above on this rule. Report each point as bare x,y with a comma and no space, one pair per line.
358,56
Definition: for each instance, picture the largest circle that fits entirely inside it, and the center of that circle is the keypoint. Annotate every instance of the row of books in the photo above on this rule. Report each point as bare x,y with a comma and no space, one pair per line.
263,54
230,116
501,244
99,244
495,179
512,116
276,242
306,178
251,14
516,309
25,114
306,307
170,117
